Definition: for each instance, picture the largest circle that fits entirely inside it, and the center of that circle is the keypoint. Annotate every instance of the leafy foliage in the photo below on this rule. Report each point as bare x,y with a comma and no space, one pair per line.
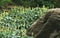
14,23
31,3
4,2
35,3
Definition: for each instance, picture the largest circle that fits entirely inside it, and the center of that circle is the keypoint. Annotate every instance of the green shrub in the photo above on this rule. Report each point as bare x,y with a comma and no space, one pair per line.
14,23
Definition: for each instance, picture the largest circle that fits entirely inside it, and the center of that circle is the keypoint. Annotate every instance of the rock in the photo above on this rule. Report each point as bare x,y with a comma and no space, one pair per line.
44,27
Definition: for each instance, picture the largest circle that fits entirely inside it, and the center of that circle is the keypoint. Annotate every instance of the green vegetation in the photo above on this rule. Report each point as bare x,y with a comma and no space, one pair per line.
27,3
15,22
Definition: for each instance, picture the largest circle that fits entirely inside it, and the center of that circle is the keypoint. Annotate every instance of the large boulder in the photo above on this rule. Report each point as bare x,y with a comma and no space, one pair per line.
47,26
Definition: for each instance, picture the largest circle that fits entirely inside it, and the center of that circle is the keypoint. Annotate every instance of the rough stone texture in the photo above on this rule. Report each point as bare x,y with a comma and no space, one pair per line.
48,26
